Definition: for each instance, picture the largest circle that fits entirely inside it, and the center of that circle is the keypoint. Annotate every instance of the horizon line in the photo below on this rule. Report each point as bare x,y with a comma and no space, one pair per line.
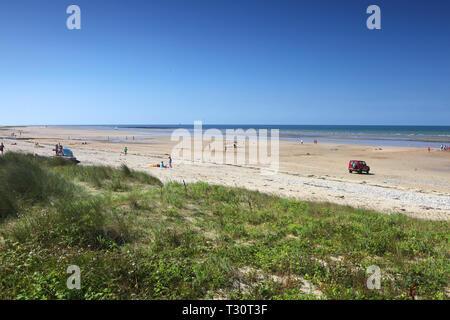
225,124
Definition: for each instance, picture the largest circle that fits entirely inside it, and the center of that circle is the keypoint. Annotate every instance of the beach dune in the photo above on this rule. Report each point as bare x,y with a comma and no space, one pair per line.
411,181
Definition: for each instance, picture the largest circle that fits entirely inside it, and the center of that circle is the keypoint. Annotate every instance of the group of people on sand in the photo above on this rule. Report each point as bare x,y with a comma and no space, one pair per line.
443,147
159,165
301,141
59,149
162,165
235,145
169,163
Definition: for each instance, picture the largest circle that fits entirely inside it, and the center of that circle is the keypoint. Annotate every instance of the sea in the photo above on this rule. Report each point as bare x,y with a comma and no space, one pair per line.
376,135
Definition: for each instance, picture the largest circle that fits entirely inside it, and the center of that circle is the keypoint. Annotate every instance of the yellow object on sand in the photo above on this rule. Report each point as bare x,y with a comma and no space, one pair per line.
153,165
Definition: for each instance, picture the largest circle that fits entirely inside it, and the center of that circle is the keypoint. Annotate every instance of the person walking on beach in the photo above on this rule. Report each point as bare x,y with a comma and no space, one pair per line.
170,162
2,147
125,150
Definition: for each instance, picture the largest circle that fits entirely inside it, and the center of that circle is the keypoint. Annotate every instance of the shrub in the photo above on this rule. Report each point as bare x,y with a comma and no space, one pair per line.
125,170
82,223
24,180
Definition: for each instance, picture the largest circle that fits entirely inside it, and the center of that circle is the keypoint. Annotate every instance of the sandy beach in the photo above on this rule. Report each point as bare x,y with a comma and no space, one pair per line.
410,181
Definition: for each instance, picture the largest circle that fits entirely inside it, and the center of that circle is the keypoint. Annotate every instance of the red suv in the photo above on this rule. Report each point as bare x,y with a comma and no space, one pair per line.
358,166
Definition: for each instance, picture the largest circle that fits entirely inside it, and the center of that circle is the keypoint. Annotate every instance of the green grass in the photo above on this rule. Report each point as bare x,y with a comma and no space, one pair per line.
135,238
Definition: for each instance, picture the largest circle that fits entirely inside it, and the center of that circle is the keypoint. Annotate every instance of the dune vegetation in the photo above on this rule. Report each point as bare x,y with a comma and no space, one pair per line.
134,237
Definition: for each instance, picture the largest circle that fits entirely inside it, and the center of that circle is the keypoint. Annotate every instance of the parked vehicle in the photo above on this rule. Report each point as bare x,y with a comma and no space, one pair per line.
358,166
67,154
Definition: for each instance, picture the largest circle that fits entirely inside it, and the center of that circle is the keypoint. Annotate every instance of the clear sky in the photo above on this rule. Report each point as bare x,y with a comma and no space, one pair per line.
234,61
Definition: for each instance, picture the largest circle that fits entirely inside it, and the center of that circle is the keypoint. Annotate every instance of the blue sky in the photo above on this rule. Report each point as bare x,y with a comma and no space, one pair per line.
235,62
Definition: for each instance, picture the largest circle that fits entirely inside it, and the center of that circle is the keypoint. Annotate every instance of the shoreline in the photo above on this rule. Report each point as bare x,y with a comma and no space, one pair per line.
285,134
